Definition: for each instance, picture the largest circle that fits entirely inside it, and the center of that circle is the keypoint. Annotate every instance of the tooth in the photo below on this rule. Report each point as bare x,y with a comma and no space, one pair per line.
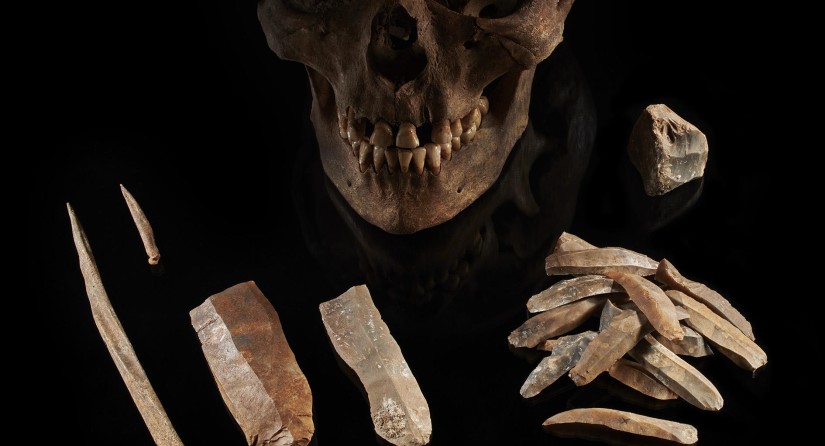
365,155
473,119
419,158
355,130
468,135
378,158
433,158
342,125
382,135
391,154
447,150
404,158
483,105
455,130
406,138
441,132
355,146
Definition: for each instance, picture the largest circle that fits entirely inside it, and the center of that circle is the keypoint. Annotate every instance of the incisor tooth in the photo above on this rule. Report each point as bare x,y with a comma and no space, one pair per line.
378,158
441,132
391,154
404,158
455,144
382,135
365,155
455,128
483,105
433,158
406,138
419,155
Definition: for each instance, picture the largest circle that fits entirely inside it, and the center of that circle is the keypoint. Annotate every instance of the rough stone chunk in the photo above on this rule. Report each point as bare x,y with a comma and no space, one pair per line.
400,413
599,261
555,322
653,302
666,150
610,425
669,275
566,352
721,333
570,290
255,369
676,374
568,242
636,377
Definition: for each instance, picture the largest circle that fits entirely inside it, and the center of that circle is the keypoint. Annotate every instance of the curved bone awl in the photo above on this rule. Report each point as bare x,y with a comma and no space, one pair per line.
400,413
599,261
721,333
676,374
604,425
147,235
669,275
570,290
558,321
253,366
653,302
119,345
621,334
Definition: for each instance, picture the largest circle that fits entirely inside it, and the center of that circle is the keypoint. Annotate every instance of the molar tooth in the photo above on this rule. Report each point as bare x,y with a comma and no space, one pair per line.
468,135
419,158
378,158
342,125
365,156
404,158
391,154
406,138
441,132
483,105
433,158
473,119
382,135
447,150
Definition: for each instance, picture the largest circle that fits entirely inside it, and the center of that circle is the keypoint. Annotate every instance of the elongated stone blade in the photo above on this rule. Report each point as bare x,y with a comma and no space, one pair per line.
400,413
729,339
693,344
555,322
256,372
676,374
636,377
599,261
566,352
568,242
669,275
571,290
653,302
609,311
621,335
604,425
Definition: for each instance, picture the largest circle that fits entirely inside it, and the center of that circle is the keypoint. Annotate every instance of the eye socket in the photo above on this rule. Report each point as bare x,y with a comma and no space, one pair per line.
491,9
310,6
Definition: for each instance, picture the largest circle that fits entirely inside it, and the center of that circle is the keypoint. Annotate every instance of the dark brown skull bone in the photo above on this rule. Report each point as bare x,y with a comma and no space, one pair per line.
415,62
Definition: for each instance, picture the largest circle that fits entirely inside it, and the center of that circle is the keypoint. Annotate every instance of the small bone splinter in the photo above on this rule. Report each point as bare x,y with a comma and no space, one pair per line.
143,227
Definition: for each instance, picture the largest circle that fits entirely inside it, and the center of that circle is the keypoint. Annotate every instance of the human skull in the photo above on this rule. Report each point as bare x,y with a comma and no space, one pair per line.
416,103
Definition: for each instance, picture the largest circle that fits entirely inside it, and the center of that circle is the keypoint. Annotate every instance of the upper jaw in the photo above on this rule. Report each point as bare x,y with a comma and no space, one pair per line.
422,190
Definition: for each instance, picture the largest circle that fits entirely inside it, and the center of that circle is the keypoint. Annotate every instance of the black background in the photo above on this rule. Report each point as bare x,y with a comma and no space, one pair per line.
187,106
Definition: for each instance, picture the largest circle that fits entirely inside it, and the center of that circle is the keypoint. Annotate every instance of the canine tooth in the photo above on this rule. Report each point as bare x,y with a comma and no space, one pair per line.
342,125
433,158
406,138
355,131
365,155
468,135
472,120
447,150
379,157
391,154
441,132
456,144
382,135
404,158
419,158
483,105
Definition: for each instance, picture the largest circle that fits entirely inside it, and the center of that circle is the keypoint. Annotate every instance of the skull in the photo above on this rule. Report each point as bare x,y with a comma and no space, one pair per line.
416,103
